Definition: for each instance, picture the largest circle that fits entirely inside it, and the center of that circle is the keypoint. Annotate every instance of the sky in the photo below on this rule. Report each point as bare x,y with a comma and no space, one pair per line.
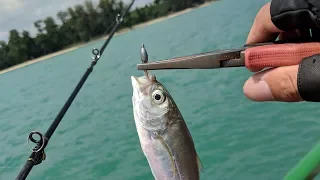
21,14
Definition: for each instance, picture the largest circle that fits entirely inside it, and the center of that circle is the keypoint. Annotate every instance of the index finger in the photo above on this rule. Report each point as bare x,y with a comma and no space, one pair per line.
263,28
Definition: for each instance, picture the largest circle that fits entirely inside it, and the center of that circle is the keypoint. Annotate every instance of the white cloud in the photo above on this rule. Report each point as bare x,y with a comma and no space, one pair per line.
10,6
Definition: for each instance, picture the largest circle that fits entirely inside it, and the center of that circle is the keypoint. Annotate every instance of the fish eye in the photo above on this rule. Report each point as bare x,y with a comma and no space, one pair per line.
158,96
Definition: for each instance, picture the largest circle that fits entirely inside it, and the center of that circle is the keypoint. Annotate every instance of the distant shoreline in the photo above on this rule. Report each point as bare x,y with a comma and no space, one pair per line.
123,31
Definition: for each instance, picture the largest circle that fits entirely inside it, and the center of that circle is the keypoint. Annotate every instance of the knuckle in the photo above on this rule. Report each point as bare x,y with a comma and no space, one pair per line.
284,86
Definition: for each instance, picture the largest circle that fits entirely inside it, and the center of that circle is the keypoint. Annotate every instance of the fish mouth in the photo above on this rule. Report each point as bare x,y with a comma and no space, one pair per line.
138,82
135,82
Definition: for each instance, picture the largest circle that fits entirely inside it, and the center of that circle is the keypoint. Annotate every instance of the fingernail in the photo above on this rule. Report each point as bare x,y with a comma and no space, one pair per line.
257,90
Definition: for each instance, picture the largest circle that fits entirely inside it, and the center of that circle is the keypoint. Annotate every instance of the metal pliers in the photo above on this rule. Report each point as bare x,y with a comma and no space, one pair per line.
252,56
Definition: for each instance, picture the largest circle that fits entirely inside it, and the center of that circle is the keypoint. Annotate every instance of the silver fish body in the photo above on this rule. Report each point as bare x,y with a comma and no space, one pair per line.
164,137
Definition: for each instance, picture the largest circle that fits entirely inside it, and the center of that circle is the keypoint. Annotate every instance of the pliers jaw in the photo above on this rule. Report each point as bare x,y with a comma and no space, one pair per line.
209,60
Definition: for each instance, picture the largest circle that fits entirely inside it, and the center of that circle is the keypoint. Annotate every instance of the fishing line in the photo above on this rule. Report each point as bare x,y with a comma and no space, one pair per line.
64,134
105,85
107,82
19,152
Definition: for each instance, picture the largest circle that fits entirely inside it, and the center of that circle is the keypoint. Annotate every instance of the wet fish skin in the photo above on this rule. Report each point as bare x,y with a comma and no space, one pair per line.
164,137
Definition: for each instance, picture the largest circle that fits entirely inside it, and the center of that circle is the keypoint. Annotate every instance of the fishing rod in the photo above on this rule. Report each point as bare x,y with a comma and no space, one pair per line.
38,154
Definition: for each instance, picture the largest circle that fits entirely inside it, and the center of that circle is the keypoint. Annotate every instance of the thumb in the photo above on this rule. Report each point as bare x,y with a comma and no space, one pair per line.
276,84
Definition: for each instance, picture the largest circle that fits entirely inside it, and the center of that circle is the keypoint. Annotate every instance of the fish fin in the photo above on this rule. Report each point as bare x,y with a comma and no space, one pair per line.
173,160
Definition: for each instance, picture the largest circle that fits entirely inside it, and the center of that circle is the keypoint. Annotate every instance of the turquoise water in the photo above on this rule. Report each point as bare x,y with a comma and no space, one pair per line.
235,138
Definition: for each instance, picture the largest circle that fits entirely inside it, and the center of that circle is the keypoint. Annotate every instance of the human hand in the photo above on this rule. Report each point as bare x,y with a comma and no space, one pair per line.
281,83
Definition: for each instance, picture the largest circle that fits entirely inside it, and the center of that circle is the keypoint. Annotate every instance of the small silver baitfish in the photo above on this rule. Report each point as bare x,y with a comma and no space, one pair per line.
164,137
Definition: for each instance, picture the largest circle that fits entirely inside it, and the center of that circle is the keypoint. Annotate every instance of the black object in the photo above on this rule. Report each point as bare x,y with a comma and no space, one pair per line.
38,154
309,78
289,15
304,15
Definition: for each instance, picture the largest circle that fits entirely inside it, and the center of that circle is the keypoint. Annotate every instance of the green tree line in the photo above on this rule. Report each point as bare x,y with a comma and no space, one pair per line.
80,24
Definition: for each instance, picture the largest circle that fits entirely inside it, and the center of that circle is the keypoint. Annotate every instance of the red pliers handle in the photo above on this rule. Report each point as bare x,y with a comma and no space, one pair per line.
279,54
